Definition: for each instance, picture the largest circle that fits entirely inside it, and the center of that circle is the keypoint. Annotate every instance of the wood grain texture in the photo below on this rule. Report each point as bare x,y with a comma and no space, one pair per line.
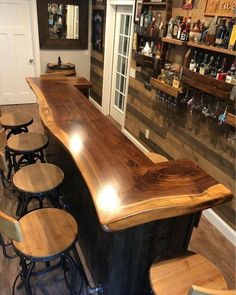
27,142
195,290
15,119
181,134
176,276
126,187
38,178
46,232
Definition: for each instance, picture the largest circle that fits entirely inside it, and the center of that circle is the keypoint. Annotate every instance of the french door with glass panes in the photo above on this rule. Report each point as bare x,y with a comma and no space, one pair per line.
121,55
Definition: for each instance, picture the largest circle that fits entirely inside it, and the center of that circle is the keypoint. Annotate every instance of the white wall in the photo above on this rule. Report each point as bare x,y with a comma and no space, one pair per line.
81,59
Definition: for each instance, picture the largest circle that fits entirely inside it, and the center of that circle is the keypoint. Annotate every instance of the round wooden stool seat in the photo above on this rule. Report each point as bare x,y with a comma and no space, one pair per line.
156,158
38,178
16,119
176,276
27,142
16,122
46,233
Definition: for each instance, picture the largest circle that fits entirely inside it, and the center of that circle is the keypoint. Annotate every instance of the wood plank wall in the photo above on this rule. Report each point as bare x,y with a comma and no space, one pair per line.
97,64
181,134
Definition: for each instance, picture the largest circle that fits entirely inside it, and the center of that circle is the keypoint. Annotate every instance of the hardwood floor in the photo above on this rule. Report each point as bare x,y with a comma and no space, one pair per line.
206,240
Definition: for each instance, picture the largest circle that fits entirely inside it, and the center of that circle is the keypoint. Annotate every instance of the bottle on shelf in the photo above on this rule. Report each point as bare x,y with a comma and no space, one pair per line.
148,18
222,70
193,61
175,27
211,34
228,33
209,66
170,28
158,51
215,67
220,33
181,27
202,67
141,21
231,75
198,62
185,33
232,40
196,32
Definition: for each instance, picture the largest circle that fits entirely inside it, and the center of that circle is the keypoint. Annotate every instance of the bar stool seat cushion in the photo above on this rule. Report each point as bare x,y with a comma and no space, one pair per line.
38,178
27,142
15,119
176,276
46,233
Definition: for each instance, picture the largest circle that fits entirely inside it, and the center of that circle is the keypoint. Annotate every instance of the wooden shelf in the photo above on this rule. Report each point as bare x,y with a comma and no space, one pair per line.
212,48
144,60
154,3
102,7
174,41
165,88
231,120
207,84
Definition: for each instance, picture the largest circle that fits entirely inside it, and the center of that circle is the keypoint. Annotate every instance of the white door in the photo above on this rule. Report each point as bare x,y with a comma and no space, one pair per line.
16,52
121,58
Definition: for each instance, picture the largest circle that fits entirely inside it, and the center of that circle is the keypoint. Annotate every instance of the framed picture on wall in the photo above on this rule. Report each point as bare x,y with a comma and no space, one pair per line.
138,9
188,4
97,27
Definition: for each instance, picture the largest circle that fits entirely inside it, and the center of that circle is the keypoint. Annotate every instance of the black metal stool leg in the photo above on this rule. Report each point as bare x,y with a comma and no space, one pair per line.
27,281
73,272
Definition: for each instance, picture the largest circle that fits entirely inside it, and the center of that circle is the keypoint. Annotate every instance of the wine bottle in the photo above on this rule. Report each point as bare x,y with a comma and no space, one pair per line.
215,67
228,34
170,28
211,34
175,28
220,33
222,70
193,61
209,66
181,27
141,21
198,62
203,64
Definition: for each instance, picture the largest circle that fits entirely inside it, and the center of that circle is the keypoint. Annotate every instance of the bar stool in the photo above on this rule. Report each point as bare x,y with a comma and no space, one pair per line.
177,275
28,146
16,122
44,235
37,181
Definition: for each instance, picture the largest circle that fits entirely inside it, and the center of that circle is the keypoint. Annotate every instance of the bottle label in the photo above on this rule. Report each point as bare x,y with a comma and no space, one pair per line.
183,37
191,66
175,83
219,41
202,71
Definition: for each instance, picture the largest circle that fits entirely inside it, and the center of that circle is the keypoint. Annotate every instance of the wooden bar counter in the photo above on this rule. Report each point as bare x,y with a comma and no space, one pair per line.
129,210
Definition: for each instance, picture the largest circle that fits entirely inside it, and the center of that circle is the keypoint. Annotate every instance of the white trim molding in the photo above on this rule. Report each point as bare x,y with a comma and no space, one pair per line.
95,103
221,225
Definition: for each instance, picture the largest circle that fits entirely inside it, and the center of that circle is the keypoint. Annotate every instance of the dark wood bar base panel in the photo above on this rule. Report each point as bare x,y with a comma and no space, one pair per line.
118,260
129,209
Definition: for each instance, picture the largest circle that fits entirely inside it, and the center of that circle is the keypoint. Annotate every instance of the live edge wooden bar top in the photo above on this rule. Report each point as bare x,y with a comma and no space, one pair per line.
127,189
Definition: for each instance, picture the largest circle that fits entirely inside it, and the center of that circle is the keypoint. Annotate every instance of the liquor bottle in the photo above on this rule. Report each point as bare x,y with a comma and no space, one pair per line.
141,44
232,40
148,18
211,34
209,66
220,33
231,73
228,33
193,61
185,33
175,28
170,28
198,62
203,64
141,21
181,27
215,67
158,52
196,31
222,70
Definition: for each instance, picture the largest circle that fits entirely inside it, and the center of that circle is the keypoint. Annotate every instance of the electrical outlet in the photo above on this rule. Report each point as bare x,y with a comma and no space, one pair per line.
146,133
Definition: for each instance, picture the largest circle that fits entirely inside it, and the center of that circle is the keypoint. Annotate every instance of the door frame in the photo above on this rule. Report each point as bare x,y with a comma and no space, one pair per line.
108,55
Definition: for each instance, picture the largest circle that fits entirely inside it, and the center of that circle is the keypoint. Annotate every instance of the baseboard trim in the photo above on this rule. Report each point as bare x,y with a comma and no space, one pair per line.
134,141
214,219
95,103
221,225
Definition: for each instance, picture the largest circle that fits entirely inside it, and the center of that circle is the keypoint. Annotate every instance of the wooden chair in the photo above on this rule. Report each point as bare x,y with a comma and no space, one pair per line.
176,276
16,122
156,158
37,181
43,235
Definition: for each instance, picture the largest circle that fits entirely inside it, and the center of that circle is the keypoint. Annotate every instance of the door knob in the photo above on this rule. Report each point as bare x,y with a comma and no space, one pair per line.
31,60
